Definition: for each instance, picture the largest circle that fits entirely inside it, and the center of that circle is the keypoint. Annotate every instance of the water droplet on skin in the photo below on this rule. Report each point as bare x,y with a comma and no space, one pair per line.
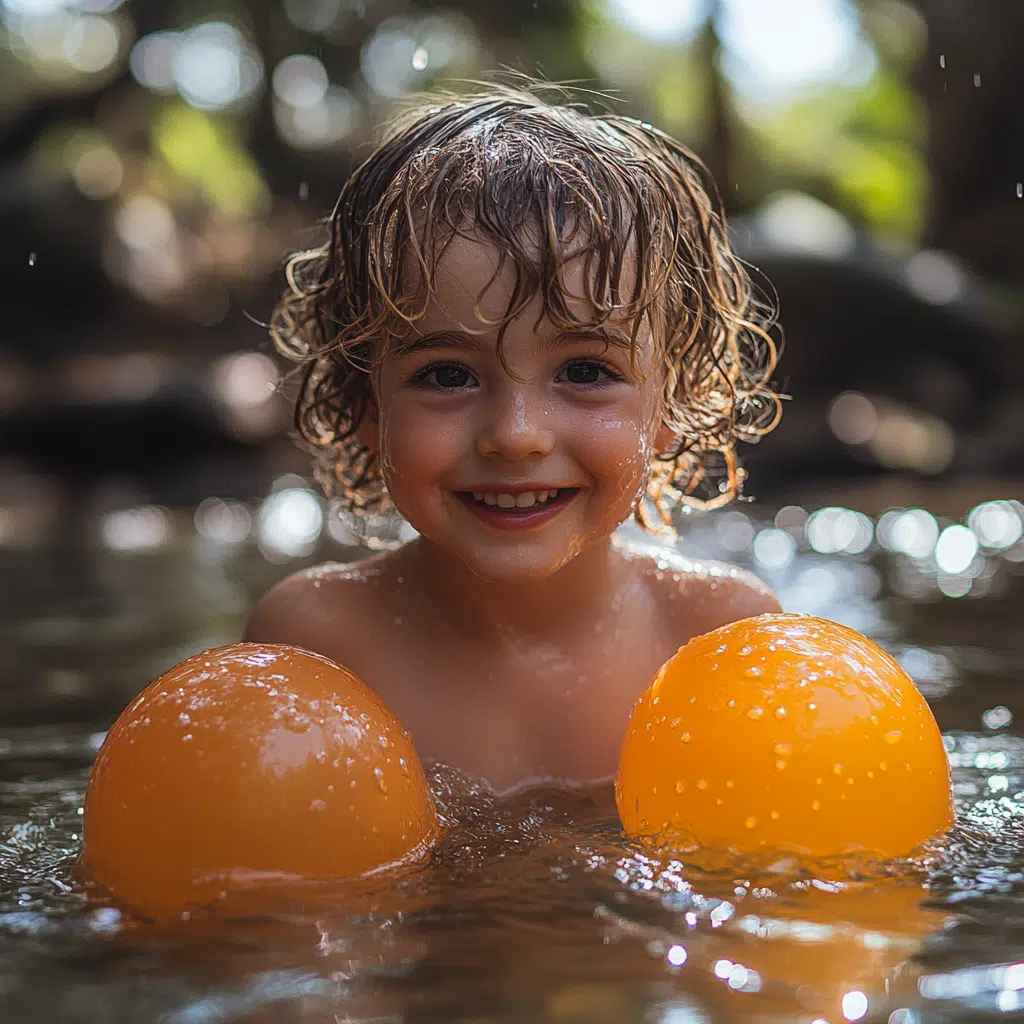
894,736
755,713
680,787
751,822
774,815
684,737
378,775
702,784
783,748
754,671
815,805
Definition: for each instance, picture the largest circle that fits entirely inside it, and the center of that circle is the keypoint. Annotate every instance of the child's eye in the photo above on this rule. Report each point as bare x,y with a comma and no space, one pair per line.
446,376
587,371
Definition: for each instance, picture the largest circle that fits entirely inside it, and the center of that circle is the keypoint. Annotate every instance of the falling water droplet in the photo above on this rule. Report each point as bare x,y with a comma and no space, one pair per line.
1020,189
942,60
420,59
977,81
303,190
32,259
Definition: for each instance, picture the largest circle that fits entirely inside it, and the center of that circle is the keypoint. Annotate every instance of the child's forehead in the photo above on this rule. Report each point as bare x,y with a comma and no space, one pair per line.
472,279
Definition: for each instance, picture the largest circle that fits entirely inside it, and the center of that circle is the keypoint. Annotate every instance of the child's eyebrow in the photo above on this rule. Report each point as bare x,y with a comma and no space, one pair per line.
479,343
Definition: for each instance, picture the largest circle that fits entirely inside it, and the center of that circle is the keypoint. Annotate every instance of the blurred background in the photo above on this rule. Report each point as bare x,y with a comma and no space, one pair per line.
158,160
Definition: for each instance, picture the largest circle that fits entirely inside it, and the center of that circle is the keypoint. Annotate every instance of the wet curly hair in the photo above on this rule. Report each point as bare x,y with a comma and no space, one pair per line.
546,184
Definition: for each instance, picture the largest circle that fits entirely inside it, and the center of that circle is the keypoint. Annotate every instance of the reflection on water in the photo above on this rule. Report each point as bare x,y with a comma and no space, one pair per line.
533,908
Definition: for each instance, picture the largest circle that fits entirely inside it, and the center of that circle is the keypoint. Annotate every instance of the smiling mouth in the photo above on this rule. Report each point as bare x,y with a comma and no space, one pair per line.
509,502
524,508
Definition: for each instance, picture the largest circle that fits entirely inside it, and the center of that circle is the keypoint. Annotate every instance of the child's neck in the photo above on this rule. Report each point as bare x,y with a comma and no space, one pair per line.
582,589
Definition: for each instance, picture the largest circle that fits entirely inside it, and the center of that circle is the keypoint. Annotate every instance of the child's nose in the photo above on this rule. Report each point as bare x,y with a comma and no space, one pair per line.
515,426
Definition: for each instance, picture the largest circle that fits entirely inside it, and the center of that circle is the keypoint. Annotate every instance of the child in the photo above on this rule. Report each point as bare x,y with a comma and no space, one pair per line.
525,327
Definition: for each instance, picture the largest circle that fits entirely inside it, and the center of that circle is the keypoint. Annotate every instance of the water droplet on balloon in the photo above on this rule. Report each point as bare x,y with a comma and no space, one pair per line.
815,805
755,713
702,784
751,822
894,736
378,775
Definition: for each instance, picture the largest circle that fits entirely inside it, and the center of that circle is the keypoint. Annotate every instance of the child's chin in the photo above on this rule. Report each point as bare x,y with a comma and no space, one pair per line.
514,568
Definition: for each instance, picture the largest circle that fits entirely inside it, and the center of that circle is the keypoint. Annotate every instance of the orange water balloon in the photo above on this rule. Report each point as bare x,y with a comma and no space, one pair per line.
250,763
785,731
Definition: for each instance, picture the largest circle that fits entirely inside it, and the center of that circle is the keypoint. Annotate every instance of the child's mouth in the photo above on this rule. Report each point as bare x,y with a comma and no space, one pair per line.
517,511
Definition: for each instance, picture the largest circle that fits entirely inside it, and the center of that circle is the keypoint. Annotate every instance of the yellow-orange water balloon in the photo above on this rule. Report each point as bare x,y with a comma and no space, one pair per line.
785,731
245,764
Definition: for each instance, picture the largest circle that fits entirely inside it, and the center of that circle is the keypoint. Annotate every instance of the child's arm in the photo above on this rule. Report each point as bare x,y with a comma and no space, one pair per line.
307,610
711,594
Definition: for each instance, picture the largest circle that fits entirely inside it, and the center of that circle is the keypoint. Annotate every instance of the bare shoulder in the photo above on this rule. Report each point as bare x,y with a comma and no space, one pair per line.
698,595
323,608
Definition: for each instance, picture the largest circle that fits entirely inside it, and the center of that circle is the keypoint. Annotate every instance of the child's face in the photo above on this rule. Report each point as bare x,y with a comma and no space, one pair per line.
460,436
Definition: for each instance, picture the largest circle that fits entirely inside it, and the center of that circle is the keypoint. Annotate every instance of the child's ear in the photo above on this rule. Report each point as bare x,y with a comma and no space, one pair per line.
368,430
664,439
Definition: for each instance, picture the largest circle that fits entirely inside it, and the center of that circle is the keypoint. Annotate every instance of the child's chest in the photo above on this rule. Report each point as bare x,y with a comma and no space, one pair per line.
524,709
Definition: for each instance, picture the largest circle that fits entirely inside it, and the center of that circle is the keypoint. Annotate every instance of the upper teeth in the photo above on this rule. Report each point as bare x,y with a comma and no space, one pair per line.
505,500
